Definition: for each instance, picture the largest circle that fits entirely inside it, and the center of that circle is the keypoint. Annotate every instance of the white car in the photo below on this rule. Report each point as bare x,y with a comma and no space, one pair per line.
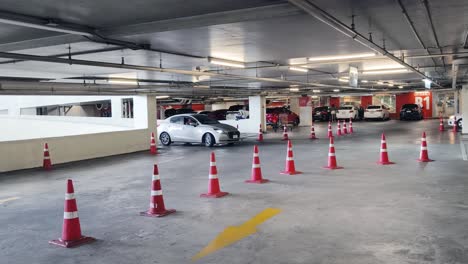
377,112
236,115
455,119
347,112
196,128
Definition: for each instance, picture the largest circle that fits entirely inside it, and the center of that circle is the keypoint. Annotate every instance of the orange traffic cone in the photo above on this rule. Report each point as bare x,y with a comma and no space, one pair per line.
351,126
214,190
46,162
256,176
290,167
332,157
345,129
260,134
338,128
285,133
153,149
455,127
424,155
157,208
71,230
312,132
383,152
330,131
441,124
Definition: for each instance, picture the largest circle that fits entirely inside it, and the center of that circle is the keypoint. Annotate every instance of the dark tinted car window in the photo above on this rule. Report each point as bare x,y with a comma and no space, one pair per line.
374,107
178,120
409,106
322,108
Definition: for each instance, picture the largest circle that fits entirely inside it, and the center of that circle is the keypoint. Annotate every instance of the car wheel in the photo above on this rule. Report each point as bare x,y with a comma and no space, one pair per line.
208,140
165,139
460,123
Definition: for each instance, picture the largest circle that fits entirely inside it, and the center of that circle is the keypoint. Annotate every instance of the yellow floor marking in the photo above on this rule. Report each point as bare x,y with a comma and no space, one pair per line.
8,199
233,234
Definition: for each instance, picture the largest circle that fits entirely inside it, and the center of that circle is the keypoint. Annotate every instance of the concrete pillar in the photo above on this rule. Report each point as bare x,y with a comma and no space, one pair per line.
463,100
116,107
257,112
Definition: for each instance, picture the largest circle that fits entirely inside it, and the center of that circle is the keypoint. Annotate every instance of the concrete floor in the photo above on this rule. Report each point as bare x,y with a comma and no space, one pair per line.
409,212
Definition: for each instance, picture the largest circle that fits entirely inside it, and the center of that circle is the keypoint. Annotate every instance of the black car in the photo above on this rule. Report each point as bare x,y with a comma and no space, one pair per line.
411,112
322,113
219,114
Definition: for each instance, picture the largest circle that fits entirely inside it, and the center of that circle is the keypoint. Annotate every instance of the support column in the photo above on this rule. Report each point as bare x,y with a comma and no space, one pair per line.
463,105
257,112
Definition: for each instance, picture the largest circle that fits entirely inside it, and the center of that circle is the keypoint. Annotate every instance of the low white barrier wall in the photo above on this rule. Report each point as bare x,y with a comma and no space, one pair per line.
25,154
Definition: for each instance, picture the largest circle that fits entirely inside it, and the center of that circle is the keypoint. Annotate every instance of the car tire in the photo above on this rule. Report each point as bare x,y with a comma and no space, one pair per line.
165,139
208,140
459,124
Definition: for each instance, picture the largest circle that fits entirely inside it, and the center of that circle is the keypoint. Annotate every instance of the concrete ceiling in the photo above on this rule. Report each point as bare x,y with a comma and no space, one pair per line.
267,35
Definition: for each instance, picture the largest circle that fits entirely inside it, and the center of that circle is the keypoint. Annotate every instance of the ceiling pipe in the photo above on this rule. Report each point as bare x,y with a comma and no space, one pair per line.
167,70
413,29
429,16
333,22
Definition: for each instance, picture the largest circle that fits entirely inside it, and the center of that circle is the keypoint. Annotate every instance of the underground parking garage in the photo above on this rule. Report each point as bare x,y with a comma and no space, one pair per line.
224,131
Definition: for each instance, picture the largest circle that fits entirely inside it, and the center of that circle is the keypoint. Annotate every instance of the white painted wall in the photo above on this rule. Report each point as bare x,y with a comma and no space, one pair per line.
76,138
256,116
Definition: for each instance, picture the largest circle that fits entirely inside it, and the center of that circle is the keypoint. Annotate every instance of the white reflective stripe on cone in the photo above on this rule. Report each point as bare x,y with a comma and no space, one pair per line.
212,163
156,177
383,150
383,141
155,193
46,149
70,215
213,176
153,144
423,139
47,158
423,148
289,158
331,154
332,145
254,166
69,196
153,205
255,154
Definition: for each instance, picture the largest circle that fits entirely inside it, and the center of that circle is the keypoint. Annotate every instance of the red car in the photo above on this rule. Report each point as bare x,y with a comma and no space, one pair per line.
279,116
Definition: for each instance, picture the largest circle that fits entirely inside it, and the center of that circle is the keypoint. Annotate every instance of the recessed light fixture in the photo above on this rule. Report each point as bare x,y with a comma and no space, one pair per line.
294,89
390,84
162,96
380,83
364,81
390,71
300,69
342,57
314,96
400,86
229,63
316,91
336,90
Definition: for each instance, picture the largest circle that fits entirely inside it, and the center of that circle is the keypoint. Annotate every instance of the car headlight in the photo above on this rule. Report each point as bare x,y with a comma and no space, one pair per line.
219,130
452,117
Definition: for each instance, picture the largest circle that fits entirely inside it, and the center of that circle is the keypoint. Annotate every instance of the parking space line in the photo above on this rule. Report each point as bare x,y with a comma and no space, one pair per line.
233,234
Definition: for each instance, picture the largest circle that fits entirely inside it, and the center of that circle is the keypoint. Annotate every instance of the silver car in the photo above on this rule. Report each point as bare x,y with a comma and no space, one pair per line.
196,128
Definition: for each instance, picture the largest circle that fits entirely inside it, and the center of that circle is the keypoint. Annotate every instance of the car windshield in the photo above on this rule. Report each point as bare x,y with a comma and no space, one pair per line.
409,106
322,108
346,108
204,119
374,107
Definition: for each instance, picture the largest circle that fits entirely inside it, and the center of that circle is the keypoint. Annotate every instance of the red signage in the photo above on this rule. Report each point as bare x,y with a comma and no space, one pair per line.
304,101
424,99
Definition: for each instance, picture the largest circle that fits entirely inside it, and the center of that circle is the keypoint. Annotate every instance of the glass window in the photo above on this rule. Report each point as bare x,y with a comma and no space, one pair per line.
178,120
189,121
389,101
127,108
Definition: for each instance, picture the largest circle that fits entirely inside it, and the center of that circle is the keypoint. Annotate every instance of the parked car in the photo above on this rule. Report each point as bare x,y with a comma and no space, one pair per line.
411,112
322,113
279,116
376,112
196,128
238,107
347,112
456,119
236,115
171,111
219,114
204,112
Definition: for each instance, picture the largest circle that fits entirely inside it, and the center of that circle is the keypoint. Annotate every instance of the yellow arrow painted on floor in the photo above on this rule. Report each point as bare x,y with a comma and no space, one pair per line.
8,199
233,234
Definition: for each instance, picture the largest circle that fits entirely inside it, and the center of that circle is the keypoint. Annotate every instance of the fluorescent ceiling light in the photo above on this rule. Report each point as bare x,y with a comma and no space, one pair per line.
375,72
380,83
314,96
336,90
342,57
390,84
401,86
229,63
364,81
343,80
300,69
294,89
316,91
133,82
162,96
